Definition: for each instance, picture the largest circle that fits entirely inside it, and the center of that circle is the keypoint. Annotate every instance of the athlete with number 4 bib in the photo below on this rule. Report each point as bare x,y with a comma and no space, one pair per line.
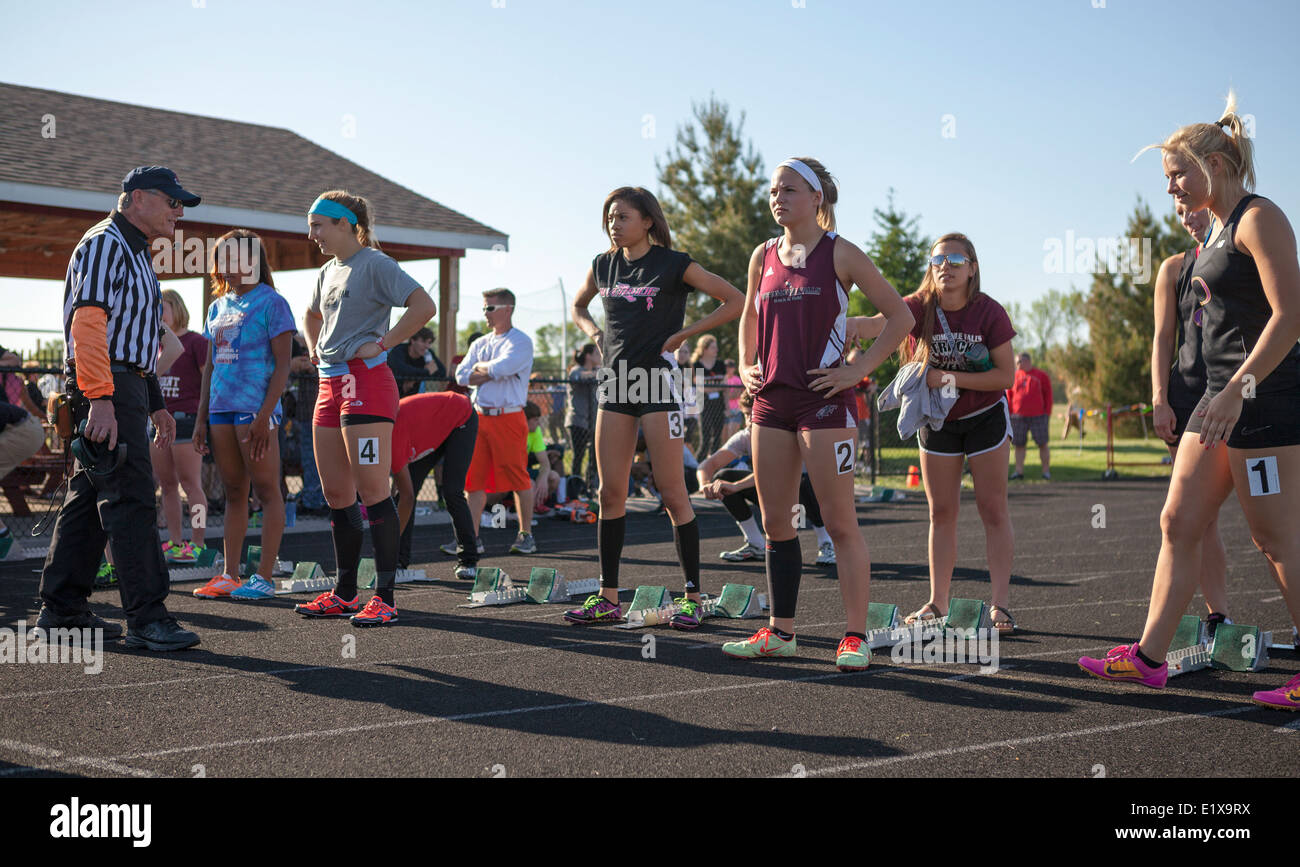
792,343
643,283
348,339
1245,432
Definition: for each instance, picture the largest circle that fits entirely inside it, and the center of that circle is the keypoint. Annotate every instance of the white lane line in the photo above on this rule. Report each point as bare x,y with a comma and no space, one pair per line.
1019,742
57,758
489,714
1273,599
1289,728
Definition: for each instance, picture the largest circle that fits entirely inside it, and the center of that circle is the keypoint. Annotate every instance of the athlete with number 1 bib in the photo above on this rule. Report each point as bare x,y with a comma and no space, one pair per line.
792,343
643,283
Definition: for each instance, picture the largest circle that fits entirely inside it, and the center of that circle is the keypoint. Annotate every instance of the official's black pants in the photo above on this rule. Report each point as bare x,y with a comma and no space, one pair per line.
117,507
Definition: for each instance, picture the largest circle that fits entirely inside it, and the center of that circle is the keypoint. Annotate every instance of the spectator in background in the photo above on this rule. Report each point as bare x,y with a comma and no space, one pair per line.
582,404
415,358
713,406
15,388
453,385
732,389
497,366
178,463
33,383
21,436
1030,398
545,480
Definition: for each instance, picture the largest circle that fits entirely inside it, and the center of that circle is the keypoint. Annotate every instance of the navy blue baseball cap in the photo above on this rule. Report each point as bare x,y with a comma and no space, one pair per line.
158,178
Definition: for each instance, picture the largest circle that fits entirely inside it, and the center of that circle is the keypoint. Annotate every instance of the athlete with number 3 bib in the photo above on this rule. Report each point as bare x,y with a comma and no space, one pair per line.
792,344
643,283
1245,432
348,339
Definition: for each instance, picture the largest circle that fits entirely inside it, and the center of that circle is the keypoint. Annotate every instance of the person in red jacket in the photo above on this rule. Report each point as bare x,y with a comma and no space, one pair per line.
1030,398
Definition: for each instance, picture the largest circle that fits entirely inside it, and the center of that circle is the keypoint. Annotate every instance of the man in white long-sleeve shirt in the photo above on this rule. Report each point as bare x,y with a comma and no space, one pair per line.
497,367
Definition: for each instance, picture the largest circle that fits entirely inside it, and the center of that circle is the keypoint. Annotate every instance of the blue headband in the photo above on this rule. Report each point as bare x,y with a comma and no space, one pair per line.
331,208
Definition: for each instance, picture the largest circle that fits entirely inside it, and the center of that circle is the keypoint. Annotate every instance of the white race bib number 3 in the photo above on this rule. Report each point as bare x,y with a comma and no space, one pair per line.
676,430
1262,473
368,451
844,457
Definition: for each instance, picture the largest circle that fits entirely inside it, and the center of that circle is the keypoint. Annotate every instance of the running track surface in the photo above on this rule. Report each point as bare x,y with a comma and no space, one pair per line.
515,691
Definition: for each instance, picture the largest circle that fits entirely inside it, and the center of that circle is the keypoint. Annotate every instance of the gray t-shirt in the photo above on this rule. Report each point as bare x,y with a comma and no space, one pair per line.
582,395
356,297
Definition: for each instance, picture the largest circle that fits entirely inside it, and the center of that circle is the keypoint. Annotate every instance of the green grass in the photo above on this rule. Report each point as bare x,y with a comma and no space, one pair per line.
1071,462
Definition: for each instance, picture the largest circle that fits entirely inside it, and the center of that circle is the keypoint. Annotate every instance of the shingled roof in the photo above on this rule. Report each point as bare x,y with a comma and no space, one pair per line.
238,168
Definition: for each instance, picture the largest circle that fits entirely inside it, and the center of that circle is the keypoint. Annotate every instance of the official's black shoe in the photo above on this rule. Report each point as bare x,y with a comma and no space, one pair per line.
48,620
165,634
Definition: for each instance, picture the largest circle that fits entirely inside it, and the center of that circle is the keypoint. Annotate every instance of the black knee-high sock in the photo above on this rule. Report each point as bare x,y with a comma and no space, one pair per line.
687,539
385,535
784,568
345,525
609,542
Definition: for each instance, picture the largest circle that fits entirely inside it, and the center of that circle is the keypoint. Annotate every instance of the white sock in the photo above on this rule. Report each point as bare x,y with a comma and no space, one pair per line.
753,535
823,538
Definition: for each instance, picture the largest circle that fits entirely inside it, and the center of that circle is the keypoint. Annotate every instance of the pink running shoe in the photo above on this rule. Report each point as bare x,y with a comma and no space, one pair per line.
1283,698
1123,664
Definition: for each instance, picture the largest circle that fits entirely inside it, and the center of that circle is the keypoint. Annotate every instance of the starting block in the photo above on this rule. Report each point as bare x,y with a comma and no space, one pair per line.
654,606
253,556
737,601
884,625
1240,648
367,575
548,585
1188,652
1293,647
308,577
200,570
493,587
12,548
969,614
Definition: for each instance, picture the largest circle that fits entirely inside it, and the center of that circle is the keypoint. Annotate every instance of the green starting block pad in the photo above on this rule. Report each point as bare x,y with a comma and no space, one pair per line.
884,625
967,614
649,597
882,495
1188,651
253,556
546,585
1238,647
308,577
737,601
493,587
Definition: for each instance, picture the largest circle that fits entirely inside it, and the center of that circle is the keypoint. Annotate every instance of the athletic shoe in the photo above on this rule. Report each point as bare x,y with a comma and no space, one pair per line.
1016,476
106,576
826,554
256,587
164,635
1123,664
743,553
168,547
540,510
183,554
220,585
524,544
852,654
1283,698
328,605
689,616
485,522
762,643
597,609
450,548
466,573
376,613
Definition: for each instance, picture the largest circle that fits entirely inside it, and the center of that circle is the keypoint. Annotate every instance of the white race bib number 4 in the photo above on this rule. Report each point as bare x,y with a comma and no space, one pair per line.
368,451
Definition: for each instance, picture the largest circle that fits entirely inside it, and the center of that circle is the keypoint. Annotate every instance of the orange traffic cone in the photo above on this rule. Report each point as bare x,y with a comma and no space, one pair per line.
914,477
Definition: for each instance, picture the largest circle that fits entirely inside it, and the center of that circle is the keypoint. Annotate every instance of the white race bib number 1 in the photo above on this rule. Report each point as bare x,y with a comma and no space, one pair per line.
368,451
1262,473
676,430
844,457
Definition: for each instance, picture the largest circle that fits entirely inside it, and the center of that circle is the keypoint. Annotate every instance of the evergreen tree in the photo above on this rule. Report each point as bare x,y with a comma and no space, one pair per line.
714,195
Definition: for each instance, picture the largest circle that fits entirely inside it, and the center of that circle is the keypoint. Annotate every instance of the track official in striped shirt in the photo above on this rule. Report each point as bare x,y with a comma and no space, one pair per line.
112,317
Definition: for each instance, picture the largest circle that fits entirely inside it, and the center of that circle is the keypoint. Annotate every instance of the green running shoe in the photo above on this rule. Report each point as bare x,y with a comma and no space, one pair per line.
761,644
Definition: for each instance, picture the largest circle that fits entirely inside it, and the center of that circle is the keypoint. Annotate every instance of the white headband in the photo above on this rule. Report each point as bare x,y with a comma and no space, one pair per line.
804,172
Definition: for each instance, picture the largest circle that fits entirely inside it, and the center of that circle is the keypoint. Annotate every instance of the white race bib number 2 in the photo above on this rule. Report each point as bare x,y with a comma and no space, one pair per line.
368,451
844,457
676,430
1262,473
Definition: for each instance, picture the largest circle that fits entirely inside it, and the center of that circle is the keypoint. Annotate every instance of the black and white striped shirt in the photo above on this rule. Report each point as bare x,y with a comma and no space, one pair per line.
111,269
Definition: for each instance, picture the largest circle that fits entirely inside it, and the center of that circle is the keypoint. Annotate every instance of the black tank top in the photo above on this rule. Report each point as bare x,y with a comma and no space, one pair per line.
1235,311
1187,376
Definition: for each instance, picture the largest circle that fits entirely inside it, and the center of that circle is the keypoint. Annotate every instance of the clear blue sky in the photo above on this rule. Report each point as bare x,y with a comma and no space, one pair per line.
524,113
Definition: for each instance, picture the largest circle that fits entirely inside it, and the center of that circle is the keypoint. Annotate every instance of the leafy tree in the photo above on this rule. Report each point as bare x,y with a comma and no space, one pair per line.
714,195
899,250
548,349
